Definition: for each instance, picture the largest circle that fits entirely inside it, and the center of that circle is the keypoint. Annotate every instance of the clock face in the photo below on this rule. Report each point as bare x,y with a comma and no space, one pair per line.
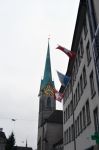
49,91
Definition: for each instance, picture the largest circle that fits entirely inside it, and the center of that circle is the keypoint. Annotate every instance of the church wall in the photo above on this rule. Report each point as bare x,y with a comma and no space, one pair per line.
54,132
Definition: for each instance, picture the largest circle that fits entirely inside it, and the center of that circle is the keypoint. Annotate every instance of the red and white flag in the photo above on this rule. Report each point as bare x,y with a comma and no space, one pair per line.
58,96
70,54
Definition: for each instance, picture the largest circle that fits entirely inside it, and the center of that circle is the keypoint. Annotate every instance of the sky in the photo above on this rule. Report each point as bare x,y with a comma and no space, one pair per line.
25,26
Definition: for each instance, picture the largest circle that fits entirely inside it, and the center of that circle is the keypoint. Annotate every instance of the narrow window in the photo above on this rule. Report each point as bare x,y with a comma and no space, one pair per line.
76,97
79,57
88,53
69,135
88,119
85,29
84,77
84,117
96,121
81,85
80,121
78,91
74,102
92,87
76,65
64,116
72,132
75,128
71,107
81,47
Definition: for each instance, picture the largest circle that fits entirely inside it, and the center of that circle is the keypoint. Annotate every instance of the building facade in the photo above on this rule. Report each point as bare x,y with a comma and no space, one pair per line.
81,100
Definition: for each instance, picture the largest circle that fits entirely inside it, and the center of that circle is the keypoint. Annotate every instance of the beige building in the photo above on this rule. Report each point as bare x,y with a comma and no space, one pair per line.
81,101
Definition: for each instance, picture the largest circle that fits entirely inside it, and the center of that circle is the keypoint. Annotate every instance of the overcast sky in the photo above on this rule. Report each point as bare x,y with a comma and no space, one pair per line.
24,29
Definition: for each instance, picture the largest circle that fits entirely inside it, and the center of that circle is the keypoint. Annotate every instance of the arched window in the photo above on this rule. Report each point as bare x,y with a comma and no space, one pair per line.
48,102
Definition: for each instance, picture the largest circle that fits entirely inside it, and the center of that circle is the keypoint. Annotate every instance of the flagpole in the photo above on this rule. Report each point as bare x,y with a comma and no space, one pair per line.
73,114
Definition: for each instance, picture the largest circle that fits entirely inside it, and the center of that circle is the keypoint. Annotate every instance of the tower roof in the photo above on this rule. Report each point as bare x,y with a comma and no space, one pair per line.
47,72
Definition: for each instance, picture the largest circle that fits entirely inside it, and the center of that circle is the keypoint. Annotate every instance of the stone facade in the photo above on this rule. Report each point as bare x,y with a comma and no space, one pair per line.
81,101
51,132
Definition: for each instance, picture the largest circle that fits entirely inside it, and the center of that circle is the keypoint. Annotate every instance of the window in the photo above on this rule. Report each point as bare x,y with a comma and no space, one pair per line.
76,65
72,132
74,73
85,29
88,119
74,102
75,128
64,137
69,135
96,121
81,85
76,97
64,117
79,58
92,85
84,117
49,102
67,114
68,111
78,91
80,121
81,47
84,77
71,104
88,53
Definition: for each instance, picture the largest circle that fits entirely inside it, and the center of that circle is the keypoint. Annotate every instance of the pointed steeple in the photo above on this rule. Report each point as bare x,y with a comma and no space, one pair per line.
47,72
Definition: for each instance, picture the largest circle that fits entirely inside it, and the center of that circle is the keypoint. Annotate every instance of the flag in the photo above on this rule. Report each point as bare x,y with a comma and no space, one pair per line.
70,54
64,79
58,96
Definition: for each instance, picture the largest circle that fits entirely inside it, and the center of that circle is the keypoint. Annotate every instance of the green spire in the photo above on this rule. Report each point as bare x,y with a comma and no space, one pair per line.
47,72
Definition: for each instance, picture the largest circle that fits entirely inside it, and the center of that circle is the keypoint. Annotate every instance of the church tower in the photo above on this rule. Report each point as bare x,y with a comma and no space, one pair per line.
47,103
